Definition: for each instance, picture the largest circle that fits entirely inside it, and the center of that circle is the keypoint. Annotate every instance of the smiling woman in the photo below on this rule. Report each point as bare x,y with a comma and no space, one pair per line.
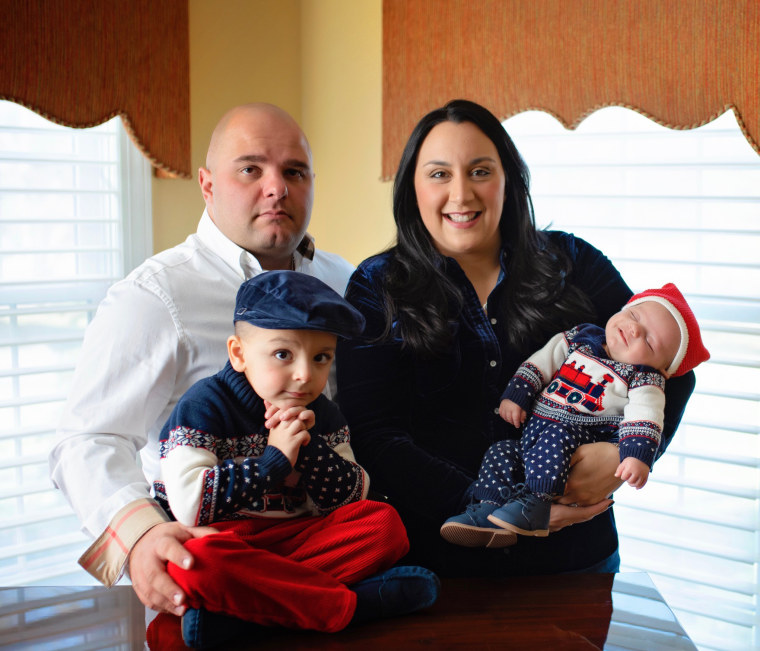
421,392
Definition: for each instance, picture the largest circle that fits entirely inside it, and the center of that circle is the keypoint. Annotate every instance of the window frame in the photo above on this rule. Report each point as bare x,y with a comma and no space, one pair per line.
695,487
25,533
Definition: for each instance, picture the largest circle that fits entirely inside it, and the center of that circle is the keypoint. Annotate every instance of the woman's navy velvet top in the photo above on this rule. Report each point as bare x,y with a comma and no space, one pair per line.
420,427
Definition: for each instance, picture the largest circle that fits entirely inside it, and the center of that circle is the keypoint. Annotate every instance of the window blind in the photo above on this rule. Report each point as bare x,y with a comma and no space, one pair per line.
67,231
682,207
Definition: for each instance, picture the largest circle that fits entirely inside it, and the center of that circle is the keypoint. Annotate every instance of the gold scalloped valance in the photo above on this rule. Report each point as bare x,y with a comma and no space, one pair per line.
81,62
682,63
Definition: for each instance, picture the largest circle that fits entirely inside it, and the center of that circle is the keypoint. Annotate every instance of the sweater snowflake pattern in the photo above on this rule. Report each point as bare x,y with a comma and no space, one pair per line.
581,385
216,464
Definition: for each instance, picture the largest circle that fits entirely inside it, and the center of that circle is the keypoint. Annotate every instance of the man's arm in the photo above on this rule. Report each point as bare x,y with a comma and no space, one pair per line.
141,535
122,386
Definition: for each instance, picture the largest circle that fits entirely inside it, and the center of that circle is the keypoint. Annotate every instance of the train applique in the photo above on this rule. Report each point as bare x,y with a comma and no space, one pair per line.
576,387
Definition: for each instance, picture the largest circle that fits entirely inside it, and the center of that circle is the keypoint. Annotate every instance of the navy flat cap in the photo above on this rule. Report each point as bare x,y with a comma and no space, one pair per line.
291,300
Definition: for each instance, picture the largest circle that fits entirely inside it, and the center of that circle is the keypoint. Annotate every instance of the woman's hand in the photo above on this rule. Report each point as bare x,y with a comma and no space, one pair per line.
592,475
563,515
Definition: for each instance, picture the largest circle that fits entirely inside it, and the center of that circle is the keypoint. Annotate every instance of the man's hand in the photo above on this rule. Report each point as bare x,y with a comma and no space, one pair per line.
592,475
147,565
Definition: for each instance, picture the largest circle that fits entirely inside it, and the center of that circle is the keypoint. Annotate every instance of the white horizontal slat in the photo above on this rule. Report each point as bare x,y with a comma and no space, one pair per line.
64,307
24,491
26,519
58,220
48,192
736,395
48,574
56,160
55,251
22,432
710,486
34,400
686,514
57,290
717,425
49,543
23,460
705,545
674,449
35,370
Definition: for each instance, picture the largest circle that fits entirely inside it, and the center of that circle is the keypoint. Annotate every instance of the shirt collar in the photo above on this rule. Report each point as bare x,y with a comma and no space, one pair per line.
243,262
447,263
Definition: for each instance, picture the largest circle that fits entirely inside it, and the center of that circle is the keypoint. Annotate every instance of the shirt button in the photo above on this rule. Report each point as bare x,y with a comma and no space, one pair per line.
496,410
493,321
492,363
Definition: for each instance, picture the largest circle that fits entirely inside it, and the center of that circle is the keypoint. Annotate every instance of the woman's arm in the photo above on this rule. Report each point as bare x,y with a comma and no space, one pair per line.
592,474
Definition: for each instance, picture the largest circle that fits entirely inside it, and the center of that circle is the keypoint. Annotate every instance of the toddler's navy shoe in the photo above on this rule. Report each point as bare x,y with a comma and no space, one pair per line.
525,513
473,529
397,591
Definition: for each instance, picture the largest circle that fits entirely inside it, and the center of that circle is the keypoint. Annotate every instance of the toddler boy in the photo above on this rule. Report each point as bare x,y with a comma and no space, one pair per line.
296,543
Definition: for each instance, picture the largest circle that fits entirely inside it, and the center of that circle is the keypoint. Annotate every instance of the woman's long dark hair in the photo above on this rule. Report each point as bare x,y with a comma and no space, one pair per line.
538,301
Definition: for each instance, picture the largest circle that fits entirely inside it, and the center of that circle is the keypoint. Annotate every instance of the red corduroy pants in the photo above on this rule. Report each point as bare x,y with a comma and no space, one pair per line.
292,572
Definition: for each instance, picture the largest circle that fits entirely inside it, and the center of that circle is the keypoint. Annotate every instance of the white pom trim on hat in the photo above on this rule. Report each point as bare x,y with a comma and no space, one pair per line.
684,345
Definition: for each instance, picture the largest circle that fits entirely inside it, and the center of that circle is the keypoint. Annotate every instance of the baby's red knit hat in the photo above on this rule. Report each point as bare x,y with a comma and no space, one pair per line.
691,351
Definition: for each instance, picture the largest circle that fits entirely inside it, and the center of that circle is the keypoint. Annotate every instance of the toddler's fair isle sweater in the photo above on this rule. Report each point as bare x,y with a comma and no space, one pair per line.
216,464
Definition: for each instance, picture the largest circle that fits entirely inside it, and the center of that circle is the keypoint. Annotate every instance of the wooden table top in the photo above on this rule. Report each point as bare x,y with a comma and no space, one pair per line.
572,611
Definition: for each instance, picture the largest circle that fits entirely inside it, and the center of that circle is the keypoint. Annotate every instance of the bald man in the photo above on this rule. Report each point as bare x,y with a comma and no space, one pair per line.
163,328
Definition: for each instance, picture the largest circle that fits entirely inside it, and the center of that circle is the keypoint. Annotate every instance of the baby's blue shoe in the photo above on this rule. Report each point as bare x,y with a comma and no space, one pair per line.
473,529
525,513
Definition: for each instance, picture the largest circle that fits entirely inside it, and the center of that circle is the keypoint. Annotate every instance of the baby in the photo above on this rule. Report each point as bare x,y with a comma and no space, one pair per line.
598,385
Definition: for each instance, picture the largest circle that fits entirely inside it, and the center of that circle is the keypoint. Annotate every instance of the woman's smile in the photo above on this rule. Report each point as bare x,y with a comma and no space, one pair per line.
462,217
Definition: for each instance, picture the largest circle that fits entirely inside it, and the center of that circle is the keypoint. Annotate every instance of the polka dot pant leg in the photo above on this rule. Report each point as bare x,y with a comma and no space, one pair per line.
500,471
547,448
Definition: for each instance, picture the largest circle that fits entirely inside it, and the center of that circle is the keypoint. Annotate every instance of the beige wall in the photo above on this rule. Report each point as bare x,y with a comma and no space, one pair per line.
321,61
342,102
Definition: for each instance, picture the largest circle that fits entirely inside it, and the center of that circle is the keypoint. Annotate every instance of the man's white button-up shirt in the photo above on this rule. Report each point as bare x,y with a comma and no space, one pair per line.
156,333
